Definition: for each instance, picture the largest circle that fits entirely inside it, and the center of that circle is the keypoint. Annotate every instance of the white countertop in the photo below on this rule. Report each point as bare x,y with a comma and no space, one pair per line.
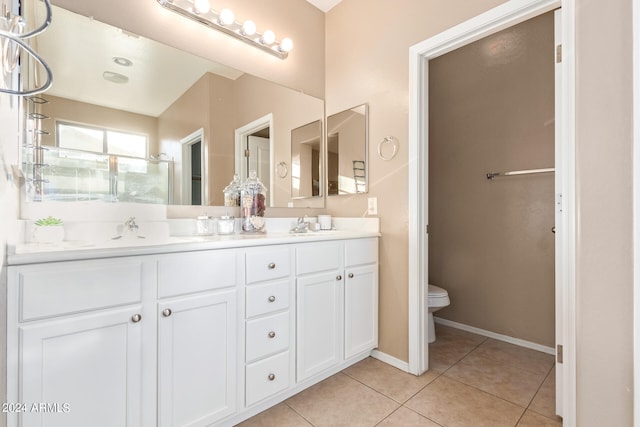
78,249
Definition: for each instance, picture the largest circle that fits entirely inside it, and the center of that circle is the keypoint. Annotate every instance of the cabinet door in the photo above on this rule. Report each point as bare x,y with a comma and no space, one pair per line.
197,359
87,369
319,323
361,310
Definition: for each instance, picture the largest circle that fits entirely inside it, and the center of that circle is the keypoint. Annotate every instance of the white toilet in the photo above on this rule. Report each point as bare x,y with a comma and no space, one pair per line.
437,299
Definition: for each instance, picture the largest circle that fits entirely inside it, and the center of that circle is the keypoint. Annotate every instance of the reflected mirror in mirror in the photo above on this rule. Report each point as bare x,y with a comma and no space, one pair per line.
189,108
306,163
347,142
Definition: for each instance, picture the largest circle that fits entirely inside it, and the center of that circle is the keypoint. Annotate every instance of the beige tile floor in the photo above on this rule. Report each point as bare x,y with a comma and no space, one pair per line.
473,381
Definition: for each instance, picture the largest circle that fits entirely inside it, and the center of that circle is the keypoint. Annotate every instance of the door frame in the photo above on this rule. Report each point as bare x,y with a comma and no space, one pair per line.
186,144
241,135
492,21
636,212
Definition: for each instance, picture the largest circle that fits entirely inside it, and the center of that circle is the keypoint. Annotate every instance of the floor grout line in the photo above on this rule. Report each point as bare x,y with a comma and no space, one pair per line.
402,404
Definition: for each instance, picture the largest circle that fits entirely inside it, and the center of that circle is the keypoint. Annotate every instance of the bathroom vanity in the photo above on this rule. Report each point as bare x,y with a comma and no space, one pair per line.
191,332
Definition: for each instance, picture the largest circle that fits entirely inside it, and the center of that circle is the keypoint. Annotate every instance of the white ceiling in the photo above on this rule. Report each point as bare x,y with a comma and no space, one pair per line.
324,5
80,49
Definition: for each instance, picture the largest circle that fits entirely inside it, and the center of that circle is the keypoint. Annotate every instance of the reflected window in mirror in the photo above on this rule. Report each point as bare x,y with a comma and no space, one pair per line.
306,161
347,142
94,163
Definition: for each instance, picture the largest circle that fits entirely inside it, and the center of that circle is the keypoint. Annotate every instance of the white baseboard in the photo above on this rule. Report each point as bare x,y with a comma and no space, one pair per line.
499,337
390,360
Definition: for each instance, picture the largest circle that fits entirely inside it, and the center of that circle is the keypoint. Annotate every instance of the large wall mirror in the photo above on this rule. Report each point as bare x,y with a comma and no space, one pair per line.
306,161
347,142
108,81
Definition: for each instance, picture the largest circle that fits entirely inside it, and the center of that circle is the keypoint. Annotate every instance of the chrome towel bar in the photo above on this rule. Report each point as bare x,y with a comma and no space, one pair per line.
492,175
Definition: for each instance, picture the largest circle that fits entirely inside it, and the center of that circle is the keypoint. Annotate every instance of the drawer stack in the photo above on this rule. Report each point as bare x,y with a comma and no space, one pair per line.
268,323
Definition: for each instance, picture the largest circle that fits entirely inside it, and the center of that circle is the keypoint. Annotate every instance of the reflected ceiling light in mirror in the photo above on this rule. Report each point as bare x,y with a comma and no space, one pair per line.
115,77
224,21
125,62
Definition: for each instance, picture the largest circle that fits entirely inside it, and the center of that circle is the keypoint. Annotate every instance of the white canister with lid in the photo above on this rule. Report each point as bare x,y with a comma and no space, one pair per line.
325,222
226,225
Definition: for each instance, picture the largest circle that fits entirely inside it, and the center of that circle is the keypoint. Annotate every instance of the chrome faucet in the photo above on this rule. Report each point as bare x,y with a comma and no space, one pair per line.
301,227
131,225
129,228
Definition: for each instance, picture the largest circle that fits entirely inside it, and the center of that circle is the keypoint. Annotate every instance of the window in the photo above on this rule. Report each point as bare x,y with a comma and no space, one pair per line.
98,140
91,163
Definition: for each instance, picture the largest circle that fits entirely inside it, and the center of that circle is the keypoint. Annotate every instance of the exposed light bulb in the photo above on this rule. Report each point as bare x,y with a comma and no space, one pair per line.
227,17
202,6
248,28
268,37
286,45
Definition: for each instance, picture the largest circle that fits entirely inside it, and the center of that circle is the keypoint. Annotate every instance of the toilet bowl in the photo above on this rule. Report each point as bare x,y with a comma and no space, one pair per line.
437,299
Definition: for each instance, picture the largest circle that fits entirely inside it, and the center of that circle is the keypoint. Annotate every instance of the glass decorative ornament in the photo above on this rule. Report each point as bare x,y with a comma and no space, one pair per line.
253,202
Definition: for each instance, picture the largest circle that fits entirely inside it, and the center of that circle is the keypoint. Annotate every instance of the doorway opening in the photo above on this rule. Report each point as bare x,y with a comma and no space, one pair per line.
254,152
491,22
194,167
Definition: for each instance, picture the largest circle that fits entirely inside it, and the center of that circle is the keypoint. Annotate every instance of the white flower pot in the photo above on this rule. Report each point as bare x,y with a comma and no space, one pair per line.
47,233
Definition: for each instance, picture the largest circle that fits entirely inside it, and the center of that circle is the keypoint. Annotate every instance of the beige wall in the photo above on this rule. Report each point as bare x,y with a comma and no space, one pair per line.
491,108
362,68
368,62
189,113
259,98
89,114
298,20
223,105
604,196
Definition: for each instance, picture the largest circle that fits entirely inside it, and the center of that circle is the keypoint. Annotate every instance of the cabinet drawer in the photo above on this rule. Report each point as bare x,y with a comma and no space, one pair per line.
267,377
361,251
267,298
267,335
70,287
186,273
267,264
316,257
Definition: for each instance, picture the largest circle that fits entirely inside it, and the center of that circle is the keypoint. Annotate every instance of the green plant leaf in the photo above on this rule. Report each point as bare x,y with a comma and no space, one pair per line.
48,221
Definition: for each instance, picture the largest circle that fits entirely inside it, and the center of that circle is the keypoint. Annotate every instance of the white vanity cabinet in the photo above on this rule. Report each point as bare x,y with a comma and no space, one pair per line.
337,303
268,322
197,337
140,341
360,296
320,307
79,330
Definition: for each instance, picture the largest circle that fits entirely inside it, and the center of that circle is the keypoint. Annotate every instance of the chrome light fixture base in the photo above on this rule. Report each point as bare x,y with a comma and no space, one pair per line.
212,19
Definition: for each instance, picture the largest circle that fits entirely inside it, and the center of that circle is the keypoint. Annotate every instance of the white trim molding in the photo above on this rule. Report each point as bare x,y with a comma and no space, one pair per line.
390,360
503,16
500,337
636,213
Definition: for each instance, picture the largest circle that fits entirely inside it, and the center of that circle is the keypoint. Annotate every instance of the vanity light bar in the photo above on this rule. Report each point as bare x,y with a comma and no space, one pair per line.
224,21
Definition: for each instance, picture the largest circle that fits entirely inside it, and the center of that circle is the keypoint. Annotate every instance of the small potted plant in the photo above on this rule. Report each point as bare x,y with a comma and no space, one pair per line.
48,230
